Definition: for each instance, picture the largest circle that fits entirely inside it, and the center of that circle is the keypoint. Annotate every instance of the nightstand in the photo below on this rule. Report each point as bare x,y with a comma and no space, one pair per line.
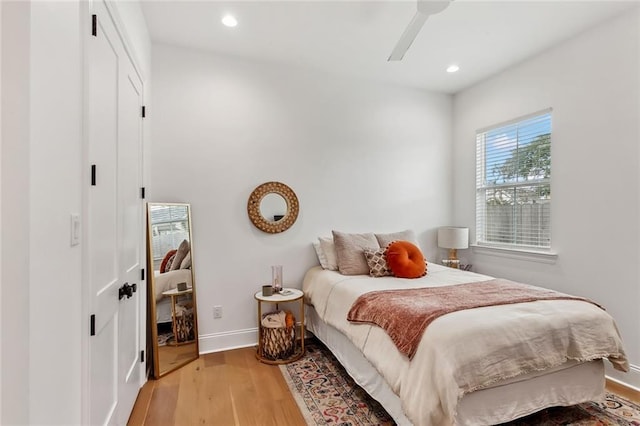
290,295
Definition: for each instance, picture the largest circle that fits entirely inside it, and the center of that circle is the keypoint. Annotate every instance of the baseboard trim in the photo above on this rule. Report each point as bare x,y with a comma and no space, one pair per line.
623,390
235,339
227,340
629,380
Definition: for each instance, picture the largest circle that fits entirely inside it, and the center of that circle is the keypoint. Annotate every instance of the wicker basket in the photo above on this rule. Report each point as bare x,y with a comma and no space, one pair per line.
277,343
185,326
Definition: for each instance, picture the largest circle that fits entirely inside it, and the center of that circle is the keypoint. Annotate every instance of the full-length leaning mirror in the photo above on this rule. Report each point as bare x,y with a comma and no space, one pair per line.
172,290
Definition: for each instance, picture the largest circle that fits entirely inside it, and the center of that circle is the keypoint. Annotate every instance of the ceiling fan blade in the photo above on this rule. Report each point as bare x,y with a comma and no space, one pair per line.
431,7
408,36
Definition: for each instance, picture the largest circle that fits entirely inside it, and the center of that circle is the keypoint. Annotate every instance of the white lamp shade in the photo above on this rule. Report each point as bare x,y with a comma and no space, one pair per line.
453,237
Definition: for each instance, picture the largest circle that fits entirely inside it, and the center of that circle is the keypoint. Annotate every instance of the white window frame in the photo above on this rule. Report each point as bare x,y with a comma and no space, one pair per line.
512,250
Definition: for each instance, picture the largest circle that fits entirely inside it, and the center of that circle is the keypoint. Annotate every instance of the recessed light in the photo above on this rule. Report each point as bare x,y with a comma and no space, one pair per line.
229,21
453,68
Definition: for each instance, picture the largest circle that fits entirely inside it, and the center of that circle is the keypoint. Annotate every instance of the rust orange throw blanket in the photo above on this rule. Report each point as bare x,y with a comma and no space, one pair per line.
405,314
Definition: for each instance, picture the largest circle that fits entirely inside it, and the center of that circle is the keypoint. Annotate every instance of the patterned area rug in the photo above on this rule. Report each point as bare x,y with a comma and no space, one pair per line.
327,395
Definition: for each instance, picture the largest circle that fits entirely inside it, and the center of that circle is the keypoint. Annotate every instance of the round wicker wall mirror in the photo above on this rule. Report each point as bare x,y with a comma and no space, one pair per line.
273,207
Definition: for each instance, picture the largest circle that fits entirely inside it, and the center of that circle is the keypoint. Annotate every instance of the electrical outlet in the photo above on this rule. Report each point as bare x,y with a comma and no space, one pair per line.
217,311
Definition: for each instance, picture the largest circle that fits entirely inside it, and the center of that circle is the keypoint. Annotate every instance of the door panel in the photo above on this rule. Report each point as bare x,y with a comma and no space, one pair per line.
115,222
130,205
102,223
104,391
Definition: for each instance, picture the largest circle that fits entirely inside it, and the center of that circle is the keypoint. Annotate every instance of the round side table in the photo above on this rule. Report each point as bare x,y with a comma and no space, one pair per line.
290,295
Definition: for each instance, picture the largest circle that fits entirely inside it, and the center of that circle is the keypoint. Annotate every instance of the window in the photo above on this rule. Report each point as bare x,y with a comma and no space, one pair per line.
169,227
513,183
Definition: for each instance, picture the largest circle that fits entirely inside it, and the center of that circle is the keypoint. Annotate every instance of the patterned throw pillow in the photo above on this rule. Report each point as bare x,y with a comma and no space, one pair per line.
377,261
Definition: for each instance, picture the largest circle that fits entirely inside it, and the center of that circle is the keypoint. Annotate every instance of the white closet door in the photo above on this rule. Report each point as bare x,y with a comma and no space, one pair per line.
130,208
114,224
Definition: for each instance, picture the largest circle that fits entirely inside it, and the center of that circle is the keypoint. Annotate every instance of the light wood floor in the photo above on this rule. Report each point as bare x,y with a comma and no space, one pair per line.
225,388
232,389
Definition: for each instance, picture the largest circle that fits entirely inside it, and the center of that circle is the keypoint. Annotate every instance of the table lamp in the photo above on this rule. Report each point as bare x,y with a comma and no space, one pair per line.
453,238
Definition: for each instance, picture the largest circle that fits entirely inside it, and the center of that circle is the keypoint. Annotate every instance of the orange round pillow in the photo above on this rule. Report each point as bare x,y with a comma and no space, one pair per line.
406,260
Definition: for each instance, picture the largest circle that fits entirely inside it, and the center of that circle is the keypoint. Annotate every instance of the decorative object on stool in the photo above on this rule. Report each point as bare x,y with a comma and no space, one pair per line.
267,290
453,238
276,278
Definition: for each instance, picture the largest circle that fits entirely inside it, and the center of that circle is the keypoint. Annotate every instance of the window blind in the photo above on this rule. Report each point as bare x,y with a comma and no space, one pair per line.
513,183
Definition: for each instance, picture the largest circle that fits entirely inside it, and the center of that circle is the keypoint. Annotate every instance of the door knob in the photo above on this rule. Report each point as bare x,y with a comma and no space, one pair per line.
126,290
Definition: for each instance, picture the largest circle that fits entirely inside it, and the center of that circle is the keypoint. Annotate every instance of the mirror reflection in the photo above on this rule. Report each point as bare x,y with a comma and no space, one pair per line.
172,304
273,207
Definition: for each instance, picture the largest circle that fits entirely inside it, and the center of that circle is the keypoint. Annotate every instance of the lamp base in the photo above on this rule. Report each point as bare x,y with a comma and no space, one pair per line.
452,261
453,254
455,263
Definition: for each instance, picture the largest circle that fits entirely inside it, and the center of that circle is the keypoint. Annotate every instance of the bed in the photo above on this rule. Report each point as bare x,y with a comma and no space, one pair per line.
426,390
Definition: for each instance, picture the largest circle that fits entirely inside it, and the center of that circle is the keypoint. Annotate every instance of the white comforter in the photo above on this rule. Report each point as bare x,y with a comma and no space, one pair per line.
478,345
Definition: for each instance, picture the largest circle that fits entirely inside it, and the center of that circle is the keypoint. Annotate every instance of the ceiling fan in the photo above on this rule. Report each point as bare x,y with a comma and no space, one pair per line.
424,10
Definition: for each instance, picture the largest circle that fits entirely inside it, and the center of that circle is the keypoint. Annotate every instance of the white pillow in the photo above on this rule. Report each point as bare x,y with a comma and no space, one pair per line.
321,257
329,250
385,239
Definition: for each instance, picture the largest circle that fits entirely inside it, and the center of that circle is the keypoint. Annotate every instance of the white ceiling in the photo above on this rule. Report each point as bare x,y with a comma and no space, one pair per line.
355,38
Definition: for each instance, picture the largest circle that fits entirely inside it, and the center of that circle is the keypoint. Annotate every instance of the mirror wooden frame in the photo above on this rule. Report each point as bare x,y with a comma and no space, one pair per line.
260,222
151,298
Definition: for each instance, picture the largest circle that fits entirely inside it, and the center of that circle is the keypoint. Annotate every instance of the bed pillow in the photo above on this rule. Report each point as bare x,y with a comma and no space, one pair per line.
406,260
385,239
350,252
329,251
183,249
186,262
321,257
377,261
166,261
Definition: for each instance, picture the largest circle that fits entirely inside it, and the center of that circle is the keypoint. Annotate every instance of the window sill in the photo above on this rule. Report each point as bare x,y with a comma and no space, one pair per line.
542,256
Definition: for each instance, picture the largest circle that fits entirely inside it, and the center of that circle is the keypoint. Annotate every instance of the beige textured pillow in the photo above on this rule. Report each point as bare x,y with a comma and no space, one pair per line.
377,261
385,239
186,262
183,249
350,252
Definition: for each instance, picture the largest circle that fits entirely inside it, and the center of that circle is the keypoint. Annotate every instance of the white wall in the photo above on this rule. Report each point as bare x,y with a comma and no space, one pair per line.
15,222
0,208
40,187
55,163
360,158
592,84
